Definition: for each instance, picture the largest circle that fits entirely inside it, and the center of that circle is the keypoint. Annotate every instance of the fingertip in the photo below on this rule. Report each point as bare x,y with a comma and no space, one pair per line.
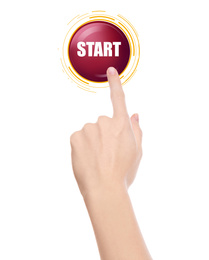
111,71
135,117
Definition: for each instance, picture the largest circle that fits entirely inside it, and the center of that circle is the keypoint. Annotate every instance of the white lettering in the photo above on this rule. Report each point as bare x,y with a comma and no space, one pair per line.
82,51
97,49
90,47
116,48
107,48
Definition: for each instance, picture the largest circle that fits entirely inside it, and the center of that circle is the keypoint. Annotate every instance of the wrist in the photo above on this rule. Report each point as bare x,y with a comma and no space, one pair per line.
104,193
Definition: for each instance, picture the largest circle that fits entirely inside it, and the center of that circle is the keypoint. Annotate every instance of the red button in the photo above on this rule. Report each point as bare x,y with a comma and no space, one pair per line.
96,46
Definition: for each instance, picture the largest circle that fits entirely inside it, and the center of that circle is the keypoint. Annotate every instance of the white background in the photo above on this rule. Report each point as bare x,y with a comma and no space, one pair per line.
42,214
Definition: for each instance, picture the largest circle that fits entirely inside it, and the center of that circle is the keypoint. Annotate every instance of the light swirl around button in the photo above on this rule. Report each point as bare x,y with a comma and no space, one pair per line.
95,42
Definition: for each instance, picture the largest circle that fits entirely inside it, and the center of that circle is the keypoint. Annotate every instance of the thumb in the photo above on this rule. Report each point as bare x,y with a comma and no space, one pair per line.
136,129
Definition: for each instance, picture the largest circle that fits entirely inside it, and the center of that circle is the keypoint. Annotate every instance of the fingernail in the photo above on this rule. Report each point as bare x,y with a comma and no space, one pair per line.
111,71
136,117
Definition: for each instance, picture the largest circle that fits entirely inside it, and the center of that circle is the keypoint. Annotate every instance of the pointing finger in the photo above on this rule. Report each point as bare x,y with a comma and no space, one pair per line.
116,92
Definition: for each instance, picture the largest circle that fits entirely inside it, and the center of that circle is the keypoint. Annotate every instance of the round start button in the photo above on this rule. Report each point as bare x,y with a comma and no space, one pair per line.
95,46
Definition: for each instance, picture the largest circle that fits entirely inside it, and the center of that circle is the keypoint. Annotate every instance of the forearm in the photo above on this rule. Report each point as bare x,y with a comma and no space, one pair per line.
115,226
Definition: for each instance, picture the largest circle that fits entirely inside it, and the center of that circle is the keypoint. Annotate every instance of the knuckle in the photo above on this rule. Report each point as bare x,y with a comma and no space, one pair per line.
88,127
75,136
122,126
103,119
123,122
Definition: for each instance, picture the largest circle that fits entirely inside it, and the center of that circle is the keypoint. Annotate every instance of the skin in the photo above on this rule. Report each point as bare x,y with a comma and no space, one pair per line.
105,159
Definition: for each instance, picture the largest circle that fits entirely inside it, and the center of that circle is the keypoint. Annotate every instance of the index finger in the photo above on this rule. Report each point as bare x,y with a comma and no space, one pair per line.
116,92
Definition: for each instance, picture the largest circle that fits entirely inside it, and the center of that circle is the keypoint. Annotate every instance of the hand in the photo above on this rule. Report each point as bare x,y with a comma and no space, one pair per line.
108,152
